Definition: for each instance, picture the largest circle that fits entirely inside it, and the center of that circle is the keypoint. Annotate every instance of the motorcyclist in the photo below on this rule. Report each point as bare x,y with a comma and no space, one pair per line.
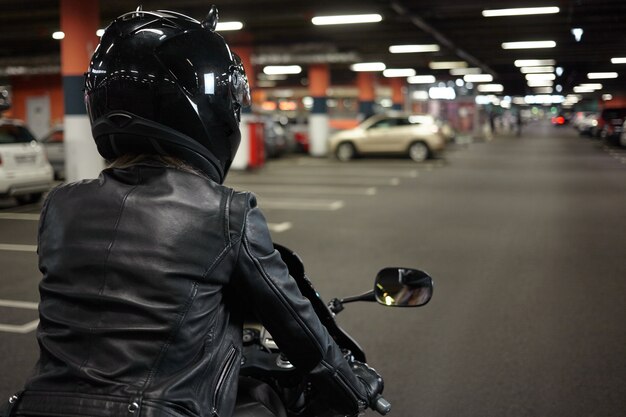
147,269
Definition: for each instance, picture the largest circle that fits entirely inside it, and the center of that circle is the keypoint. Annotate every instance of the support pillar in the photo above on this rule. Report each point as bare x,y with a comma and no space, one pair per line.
79,21
319,80
365,84
397,93
242,157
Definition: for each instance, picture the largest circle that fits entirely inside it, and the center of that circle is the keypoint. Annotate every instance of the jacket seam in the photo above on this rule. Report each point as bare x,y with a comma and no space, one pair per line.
282,299
343,382
172,336
104,271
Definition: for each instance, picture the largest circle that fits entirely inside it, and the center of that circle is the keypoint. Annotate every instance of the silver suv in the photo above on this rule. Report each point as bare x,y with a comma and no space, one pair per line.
25,172
418,136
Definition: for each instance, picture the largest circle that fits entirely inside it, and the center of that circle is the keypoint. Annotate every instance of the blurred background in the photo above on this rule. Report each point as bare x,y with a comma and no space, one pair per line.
480,140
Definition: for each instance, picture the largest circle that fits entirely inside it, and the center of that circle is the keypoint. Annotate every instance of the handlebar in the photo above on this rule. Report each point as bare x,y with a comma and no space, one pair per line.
381,405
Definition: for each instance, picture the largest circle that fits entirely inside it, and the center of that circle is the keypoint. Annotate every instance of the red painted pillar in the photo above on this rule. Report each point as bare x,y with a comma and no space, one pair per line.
80,20
397,92
367,93
319,81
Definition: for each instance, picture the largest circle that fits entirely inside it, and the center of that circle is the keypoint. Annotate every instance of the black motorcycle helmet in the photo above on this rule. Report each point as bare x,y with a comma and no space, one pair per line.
163,83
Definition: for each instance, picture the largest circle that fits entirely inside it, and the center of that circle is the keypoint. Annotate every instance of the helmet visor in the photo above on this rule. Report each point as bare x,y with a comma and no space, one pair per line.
240,88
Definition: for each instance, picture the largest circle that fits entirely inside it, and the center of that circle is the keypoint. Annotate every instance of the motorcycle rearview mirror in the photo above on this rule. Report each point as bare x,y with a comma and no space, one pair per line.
403,287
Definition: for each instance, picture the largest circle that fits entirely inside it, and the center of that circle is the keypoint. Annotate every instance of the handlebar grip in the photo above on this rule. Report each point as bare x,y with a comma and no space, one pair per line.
381,405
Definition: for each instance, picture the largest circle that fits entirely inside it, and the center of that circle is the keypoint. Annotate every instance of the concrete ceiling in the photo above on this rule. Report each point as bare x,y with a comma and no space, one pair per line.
278,26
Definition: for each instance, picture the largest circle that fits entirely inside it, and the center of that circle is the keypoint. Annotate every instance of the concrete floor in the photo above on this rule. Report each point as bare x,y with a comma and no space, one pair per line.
525,238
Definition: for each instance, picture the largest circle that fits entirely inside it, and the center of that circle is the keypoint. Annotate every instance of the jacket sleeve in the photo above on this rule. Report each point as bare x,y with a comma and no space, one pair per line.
289,316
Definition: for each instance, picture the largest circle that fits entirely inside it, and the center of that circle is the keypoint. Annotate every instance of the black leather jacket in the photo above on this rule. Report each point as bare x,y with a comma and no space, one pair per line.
145,273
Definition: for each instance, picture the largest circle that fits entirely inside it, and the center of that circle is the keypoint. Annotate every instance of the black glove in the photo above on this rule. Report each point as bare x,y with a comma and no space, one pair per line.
371,380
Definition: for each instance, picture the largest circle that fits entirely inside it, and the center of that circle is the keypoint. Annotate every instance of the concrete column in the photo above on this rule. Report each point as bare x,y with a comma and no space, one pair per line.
367,93
397,93
319,80
242,157
79,21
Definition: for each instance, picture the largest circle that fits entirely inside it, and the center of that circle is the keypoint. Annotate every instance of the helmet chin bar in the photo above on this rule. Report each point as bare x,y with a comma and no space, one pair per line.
164,140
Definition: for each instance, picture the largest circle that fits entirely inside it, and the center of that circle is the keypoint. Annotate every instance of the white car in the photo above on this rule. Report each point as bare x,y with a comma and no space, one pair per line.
418,136
25,172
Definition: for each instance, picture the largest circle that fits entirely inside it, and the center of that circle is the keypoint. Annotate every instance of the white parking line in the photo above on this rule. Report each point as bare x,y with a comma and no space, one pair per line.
361,173
19,304
21,329
18,248
279,227
18,216
300,204
312,180
295,189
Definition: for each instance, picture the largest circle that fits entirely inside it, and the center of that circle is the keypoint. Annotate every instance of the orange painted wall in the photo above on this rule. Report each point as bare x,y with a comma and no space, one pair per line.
23,87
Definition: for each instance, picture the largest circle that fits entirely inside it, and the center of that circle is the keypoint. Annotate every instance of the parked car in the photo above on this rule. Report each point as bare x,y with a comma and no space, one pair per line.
25,172
612,121
588,124
418,136
55,150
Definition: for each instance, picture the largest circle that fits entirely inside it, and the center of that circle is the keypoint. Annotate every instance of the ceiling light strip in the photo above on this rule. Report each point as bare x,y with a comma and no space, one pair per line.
346,19
528,45
520,11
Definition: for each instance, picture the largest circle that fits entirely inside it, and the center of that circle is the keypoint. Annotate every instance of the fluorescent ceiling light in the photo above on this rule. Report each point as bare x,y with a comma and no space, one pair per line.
583,90
618,60
399,72
421,79
441,93
58,35
346,19
368,67
490,88
465,71
282,69
224,26
540,83
543,90
601,75
528,45
540,77
478,78
521,11
533,70
544,99
607,97
594,86
447,65
533,62
407,49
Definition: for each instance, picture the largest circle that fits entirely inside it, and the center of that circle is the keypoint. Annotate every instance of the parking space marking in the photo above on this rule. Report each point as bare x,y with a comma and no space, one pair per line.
294,189
300,204
21,328
361,173
313,180
18,248
29,305
279,227
18,216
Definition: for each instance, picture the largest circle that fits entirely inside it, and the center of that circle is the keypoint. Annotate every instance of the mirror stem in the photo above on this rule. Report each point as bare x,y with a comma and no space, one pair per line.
367,296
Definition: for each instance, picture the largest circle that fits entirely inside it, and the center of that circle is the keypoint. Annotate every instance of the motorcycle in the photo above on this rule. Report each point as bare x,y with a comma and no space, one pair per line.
263,362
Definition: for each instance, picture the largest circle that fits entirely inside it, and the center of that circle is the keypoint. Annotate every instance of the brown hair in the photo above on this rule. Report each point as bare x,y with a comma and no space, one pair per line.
129,160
